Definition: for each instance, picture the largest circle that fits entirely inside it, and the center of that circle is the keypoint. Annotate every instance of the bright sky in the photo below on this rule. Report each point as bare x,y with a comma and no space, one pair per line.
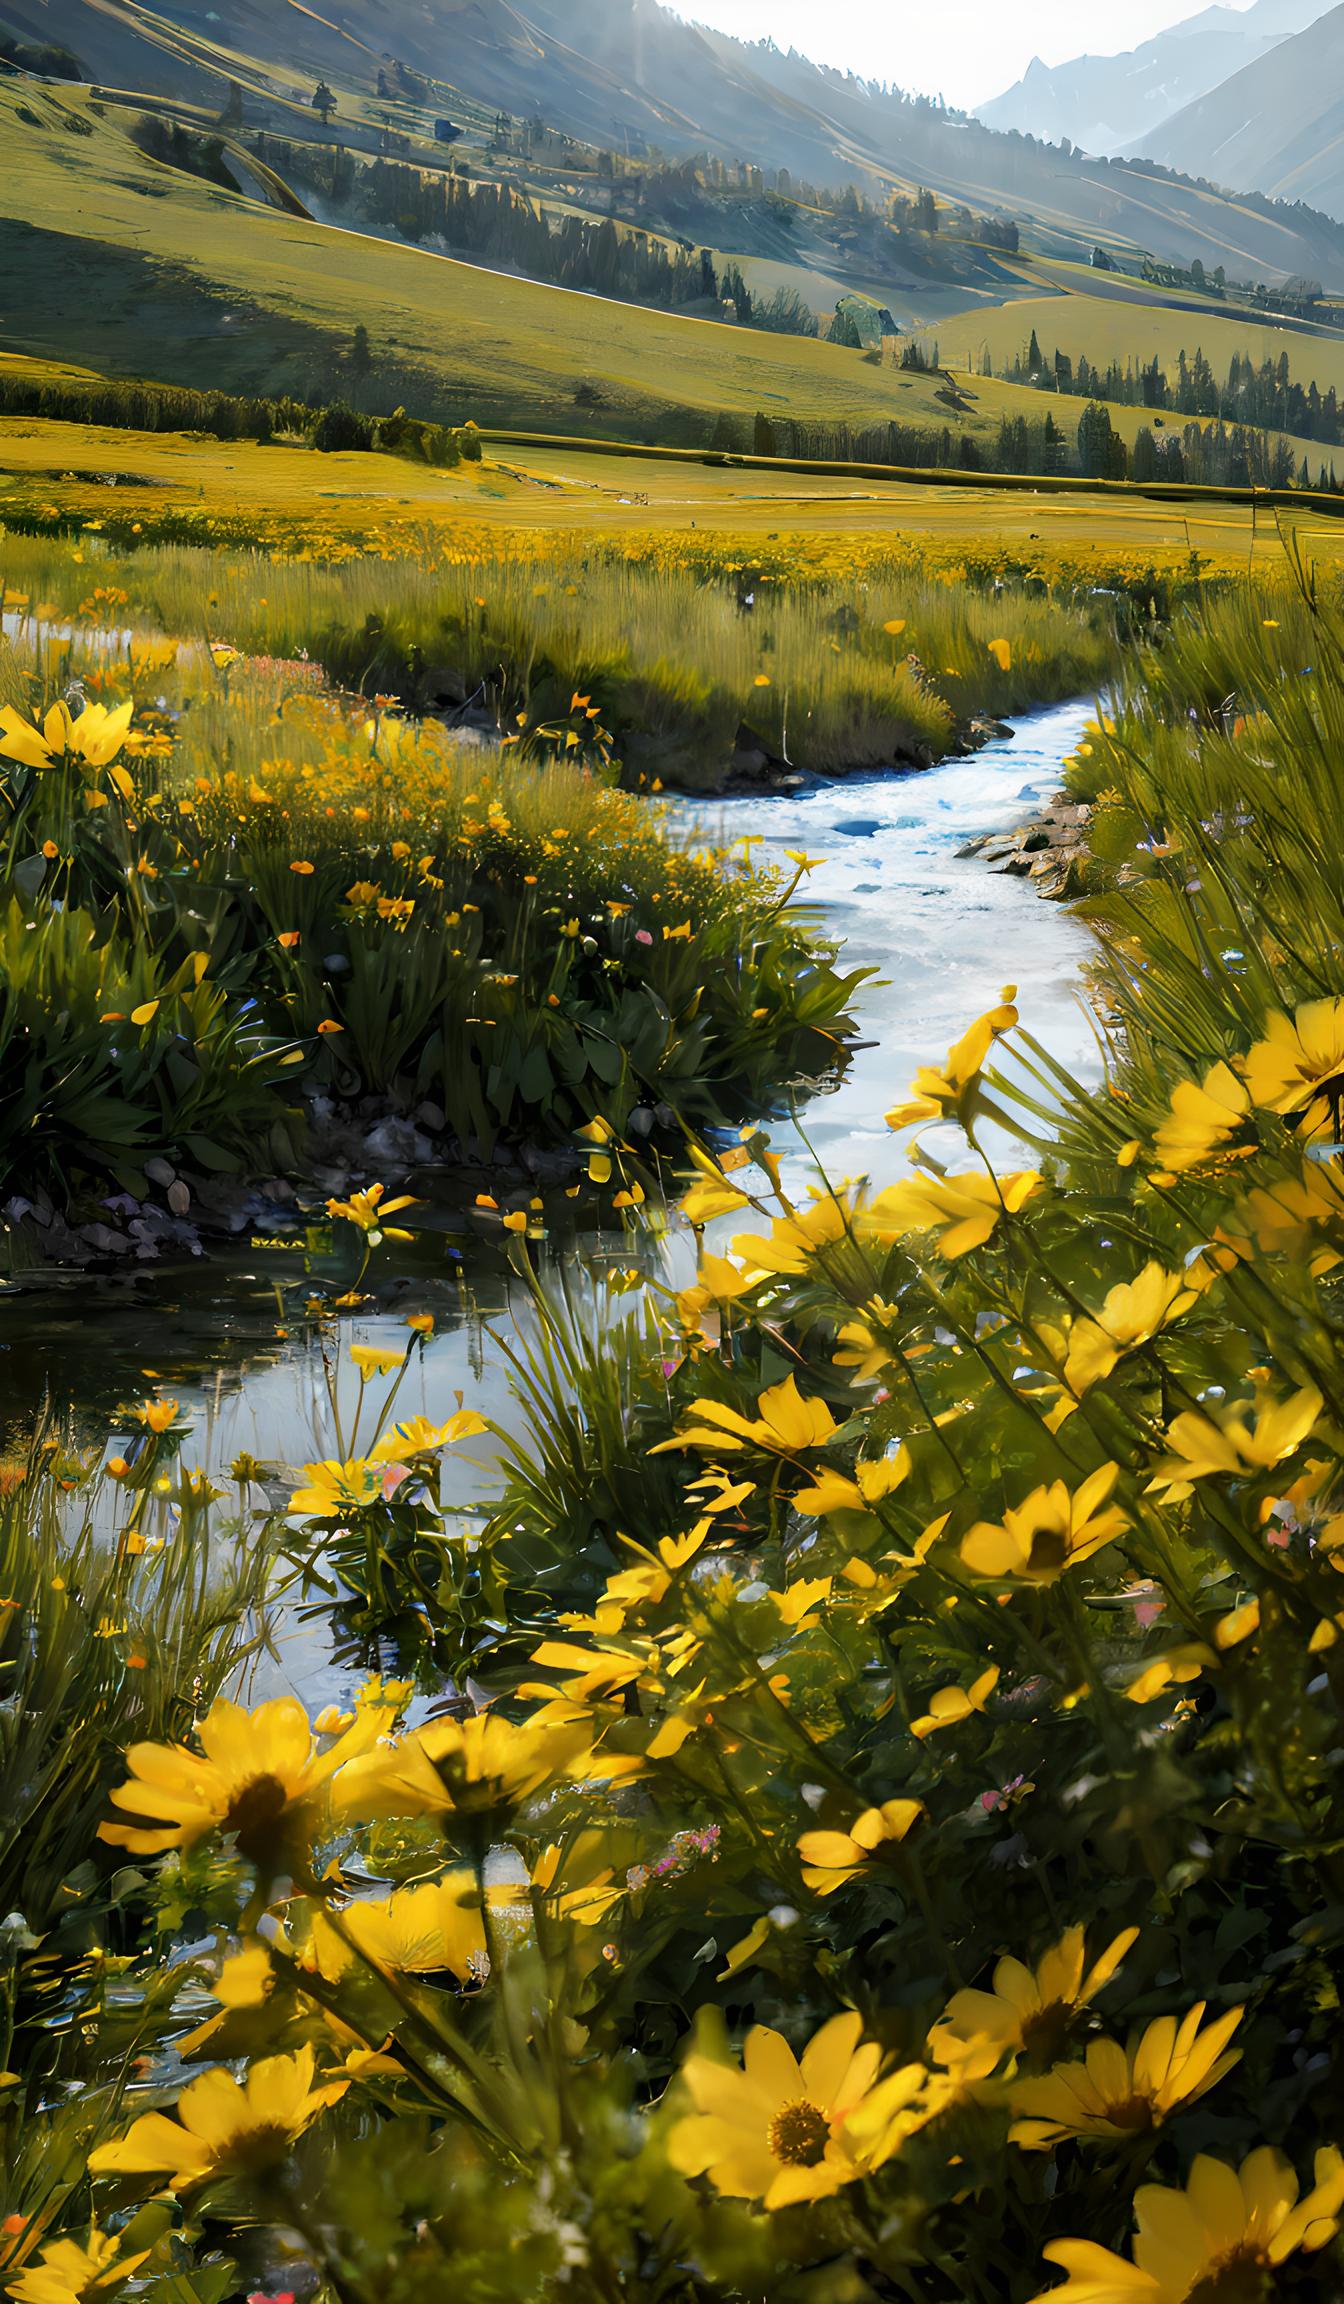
965,50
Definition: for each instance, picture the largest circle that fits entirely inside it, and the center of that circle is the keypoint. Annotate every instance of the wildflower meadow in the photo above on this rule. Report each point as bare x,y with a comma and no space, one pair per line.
854,1811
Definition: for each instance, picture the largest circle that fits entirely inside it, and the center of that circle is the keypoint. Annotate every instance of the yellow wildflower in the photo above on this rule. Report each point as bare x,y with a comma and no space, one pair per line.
157,1415
951,1705
258,1775
1234,1446
934,1090
962,1210
775,2130
1299,1064
471,1766
1174,1668
1202,1119
1116,2092
1132,1314
788,1425
66,2273
418,1437
1219,2240
831,1859
96,737
1028,2010
335,1489
223,2126
1053,1530
368,1211
425,1930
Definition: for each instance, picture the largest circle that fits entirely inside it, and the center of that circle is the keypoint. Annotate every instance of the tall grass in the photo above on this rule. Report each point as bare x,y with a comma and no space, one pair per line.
829,674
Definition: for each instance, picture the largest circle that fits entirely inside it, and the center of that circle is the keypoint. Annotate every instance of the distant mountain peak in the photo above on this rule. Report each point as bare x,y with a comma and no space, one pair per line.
1111,104
1276,126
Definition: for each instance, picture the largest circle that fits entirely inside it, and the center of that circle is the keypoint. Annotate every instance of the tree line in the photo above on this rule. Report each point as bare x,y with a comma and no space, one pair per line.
1264,395
325,425
1210,455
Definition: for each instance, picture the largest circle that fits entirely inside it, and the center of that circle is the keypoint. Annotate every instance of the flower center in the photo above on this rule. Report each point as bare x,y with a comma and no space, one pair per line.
258,2148
1131,2112
255,1811
799,2134
1044,2034
1238,2278
1049,1551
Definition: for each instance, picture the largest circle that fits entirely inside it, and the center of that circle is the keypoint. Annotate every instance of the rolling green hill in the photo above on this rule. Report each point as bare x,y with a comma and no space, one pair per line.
137,269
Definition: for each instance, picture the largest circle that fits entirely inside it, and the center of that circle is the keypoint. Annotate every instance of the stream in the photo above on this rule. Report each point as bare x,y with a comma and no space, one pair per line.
945,934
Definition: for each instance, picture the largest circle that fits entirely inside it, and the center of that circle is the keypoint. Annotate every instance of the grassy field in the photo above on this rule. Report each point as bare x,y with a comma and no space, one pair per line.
521,492
108,253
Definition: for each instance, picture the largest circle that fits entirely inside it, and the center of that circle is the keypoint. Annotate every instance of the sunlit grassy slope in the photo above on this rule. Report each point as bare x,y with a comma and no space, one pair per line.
143,270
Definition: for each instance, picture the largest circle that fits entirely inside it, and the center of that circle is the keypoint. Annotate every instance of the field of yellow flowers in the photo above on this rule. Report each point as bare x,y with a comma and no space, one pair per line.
862,1819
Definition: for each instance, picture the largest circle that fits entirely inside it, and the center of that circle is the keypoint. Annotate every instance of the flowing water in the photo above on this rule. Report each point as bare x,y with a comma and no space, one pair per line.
944,933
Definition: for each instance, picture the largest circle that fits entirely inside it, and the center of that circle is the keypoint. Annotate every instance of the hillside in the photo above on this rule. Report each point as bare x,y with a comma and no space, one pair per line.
115,260
1277,126
628,75
1118,103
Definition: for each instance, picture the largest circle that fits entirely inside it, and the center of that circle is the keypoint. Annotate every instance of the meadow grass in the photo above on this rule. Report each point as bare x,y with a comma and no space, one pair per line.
830,674
1107,328
528,499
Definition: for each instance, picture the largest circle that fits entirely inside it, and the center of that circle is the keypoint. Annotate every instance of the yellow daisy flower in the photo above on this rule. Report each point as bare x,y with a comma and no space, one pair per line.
259,1775
774,2131
1300,1061
831,1859
418,1931
788,1425
368,1212
333,1489
454,1767
1118,2092
223,2126
1234,1446
1132,1315
936,1089
418,1437
95,737
1218,2240
66,2273
962,1210
376,1359
948,1706
1038,1540
1203,1119
1029,2010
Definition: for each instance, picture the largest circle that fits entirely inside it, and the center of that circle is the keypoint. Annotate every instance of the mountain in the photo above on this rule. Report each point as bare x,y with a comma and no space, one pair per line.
628,74
1119,103
1276,128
